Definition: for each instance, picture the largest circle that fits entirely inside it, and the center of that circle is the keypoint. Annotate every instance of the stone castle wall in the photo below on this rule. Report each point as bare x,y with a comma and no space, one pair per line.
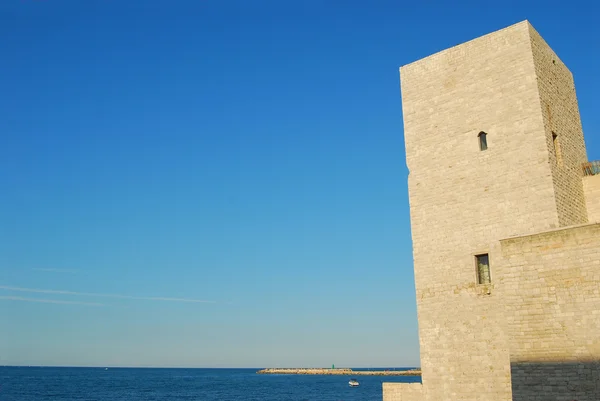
564,135
550,286
464,201
403,392
591,188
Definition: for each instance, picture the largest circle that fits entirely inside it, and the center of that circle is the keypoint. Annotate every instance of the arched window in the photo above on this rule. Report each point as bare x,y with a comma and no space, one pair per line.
482,140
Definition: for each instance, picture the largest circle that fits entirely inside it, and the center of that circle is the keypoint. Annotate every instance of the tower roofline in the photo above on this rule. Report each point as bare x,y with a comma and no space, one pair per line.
513,26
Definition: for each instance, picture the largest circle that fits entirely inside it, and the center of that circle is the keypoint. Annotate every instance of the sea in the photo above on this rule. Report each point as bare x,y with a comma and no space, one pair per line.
147,384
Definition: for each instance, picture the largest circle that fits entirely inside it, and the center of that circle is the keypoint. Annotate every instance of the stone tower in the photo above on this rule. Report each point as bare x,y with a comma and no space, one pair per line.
494,148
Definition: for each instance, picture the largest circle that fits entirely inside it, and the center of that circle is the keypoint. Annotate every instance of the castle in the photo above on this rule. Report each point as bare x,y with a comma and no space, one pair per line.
505,220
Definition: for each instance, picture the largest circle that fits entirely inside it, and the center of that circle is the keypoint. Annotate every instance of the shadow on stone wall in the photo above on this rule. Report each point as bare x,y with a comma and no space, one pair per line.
556,381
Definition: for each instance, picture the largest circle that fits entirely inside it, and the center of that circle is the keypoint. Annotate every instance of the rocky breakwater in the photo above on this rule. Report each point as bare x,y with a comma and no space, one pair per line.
342,371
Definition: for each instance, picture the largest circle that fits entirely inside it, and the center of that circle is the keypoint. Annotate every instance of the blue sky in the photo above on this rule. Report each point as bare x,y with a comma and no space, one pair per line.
158,154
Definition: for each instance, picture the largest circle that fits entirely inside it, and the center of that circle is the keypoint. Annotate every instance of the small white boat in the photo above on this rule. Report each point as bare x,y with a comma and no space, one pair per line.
353,383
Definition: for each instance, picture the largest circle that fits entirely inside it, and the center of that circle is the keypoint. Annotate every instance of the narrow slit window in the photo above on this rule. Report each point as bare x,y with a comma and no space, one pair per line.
482,140
557,153
483,269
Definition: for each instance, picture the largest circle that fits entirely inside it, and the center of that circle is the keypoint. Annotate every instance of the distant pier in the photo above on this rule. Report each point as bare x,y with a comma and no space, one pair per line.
342,371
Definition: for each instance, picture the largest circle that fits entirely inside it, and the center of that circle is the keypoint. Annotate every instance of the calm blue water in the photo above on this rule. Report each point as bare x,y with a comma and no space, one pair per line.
97,384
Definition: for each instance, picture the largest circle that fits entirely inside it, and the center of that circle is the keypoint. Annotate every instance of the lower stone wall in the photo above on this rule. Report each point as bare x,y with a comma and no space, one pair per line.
547,290
403,392
551,290
549,381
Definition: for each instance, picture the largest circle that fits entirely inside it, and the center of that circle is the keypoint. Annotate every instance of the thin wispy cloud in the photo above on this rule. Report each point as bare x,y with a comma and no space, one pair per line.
91,294
42,269
48,301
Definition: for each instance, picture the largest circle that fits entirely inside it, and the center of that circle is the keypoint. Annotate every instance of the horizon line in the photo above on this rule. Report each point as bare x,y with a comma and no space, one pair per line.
194,367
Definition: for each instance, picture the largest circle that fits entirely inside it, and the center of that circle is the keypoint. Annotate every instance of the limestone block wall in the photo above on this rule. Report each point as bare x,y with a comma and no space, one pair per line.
403,392
550,283
463,200
591,189
564,134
